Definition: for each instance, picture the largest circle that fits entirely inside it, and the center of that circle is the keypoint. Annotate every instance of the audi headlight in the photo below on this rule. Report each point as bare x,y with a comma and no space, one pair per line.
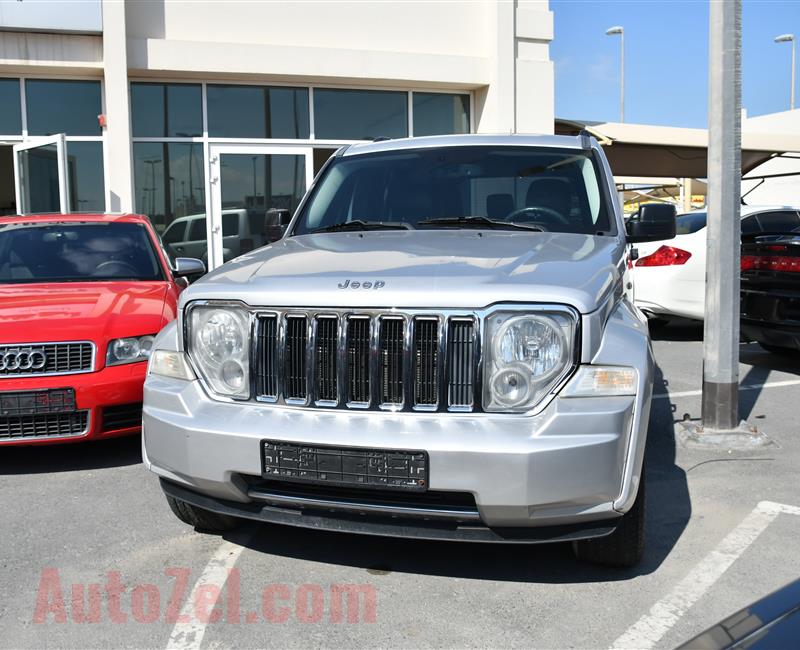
219,345
527,355
129,350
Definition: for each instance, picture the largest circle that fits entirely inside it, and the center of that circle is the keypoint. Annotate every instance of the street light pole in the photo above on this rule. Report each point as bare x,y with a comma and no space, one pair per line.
721,327
785,38
613,31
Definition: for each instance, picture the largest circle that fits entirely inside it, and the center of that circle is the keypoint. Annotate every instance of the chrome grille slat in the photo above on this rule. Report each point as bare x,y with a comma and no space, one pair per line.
295,361
62,358
358,362
391,360
326,344
461,364
426,362
267,359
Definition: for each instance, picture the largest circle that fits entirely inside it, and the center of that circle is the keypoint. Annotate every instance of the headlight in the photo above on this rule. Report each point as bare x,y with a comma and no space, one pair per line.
219,344
129,350
528,355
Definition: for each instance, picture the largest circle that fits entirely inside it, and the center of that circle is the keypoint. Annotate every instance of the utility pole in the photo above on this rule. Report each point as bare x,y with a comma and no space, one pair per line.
789,38
613,31
721,328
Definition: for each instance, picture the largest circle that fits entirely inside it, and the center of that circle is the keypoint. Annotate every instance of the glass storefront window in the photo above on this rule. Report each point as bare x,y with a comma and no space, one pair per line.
10,117
85,176
359,114
168,186
69,107
440,114
257,112
166,110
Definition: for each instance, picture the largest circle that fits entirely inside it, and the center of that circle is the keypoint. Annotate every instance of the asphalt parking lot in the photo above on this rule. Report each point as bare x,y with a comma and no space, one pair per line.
92,556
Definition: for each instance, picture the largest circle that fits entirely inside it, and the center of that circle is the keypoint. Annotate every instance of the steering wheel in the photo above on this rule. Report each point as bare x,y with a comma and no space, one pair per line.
542,210
124,267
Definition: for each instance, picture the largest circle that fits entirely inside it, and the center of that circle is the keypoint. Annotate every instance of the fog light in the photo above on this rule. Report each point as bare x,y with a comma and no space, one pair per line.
233,374
511,385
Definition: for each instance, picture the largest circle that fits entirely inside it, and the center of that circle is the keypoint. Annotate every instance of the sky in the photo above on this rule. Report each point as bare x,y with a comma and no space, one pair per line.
666,59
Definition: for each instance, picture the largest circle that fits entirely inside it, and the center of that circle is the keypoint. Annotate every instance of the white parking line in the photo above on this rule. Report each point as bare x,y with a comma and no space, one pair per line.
188,631
694,393
652,627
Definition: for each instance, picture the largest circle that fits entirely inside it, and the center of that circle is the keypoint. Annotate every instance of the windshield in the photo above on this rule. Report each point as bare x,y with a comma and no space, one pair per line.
460,187
686,224
76,252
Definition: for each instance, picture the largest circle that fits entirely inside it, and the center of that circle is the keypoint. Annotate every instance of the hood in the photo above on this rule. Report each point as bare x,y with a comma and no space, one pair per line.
438,269
92,311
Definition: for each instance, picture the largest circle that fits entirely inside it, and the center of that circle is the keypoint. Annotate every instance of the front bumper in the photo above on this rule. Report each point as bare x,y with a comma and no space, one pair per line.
563,466
95,392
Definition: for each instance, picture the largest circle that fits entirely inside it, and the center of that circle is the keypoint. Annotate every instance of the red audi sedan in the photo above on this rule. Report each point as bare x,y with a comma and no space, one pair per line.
81,299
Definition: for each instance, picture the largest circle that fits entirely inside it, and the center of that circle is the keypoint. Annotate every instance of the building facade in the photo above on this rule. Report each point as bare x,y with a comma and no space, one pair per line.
187,111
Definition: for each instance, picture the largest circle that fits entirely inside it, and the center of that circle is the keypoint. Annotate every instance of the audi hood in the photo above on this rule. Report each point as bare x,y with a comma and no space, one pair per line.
421,268
71,311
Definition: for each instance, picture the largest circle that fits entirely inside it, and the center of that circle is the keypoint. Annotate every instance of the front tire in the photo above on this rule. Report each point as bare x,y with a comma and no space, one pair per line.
622,548
204,520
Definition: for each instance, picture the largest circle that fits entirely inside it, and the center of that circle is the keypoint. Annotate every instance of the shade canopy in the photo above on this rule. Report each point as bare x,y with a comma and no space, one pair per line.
666,151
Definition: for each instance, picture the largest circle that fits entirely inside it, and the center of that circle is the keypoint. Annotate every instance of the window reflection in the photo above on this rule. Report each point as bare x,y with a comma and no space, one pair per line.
85,176
257,112
440,114
10,115
69,107
259,194
166,110
169,187
359,114
38,174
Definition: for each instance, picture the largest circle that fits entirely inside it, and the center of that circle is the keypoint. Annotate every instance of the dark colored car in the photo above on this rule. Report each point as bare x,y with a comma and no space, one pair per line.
770,292
772,622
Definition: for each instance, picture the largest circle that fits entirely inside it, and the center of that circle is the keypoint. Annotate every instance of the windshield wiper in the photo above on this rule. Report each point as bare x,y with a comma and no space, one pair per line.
478,222
360,224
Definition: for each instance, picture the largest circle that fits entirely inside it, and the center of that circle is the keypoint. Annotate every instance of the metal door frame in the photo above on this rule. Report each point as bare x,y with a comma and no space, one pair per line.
214,222
20,175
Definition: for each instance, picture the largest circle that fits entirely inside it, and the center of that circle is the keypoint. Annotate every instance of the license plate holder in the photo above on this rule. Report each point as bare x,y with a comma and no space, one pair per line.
36,402
361,467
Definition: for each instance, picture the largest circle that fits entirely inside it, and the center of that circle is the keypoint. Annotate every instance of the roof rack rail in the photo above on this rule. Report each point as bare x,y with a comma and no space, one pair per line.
586,139
381,138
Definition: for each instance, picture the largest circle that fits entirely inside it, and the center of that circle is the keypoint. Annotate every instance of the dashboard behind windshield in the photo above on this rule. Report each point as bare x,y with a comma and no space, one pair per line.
554,190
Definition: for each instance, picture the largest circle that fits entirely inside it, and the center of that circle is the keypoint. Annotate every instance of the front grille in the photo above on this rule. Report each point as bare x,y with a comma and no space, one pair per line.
35,359
122,416
418,361
46,425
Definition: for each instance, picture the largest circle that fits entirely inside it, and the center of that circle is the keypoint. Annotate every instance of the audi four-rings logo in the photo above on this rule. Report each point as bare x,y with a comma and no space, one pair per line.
23,359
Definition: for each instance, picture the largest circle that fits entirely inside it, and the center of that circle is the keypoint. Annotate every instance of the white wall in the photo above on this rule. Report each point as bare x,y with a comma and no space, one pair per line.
497,48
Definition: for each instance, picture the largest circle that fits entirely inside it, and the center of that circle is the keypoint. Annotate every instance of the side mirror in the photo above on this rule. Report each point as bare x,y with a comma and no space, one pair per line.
188,266
655,222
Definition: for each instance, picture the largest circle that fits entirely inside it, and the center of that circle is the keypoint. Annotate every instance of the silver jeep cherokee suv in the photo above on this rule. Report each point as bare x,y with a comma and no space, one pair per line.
441,346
